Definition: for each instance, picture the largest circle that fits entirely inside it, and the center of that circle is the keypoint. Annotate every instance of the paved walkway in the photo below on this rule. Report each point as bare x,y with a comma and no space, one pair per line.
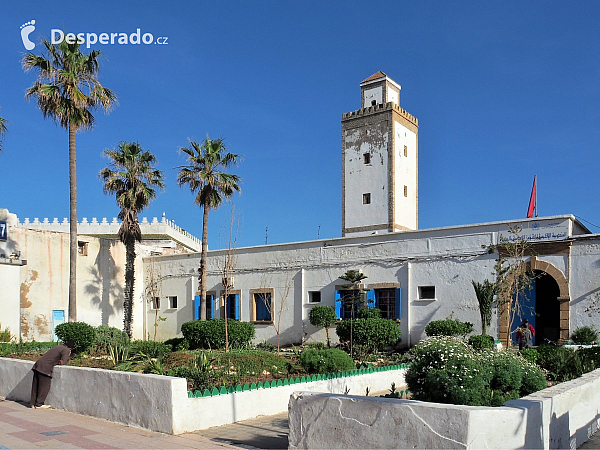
24,428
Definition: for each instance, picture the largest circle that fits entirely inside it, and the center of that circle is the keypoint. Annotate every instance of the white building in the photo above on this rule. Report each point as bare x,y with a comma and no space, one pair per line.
413,275
34,273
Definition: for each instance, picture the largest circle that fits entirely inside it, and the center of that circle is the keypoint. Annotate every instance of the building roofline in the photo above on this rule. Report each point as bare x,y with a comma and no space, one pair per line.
375,237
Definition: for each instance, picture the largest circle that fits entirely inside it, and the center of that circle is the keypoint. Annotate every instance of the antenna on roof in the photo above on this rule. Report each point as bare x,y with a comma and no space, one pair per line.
266,234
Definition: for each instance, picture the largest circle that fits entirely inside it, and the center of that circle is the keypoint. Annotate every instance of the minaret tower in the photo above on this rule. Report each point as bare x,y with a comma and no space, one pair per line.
380,147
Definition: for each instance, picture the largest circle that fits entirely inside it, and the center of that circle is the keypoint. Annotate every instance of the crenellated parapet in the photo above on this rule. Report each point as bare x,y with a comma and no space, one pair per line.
154,229
389,106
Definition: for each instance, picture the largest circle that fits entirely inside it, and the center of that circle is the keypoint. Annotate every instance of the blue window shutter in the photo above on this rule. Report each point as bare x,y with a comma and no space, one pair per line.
210,306
371,300
237,307
338,304
197,307
398,303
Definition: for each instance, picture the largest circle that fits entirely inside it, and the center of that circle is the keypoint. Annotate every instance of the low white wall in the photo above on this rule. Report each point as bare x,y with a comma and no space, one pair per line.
563,416
192,415
140,400
161,403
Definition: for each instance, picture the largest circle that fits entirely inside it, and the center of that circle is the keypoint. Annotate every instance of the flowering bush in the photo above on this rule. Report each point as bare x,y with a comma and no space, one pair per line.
447,370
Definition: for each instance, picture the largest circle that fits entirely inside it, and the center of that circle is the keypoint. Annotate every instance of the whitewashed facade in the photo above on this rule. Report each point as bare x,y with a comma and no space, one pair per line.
34,273
432,269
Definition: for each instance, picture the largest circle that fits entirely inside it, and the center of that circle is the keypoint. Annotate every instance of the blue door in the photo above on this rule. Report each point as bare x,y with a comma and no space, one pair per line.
58,317
527,300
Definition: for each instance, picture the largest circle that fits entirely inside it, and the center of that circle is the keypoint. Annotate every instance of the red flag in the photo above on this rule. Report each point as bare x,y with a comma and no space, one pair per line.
532,200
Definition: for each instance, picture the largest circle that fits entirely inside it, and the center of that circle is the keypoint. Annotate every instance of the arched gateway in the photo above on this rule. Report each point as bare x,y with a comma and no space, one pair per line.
548,304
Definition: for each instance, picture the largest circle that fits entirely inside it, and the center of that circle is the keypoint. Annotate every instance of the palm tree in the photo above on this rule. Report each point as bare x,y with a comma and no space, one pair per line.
67,90
133,179
2,130
204,177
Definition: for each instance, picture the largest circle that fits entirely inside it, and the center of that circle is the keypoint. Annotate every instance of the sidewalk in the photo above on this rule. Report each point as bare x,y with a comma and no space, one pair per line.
24,428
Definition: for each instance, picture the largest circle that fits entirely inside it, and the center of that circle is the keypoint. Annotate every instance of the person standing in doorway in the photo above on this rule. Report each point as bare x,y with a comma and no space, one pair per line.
42,372
525,335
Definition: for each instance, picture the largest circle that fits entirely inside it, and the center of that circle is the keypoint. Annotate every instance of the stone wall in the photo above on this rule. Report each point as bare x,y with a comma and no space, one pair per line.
563,416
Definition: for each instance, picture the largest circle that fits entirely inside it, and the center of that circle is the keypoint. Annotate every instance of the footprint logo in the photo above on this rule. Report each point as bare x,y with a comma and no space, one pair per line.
26,30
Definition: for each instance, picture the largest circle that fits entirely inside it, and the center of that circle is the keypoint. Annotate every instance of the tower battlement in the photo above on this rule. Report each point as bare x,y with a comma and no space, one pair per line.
380,108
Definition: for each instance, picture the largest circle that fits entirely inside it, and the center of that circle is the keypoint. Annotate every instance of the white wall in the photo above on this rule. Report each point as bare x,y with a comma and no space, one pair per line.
563,416
448,259
370,178
375,93
405,175
585,283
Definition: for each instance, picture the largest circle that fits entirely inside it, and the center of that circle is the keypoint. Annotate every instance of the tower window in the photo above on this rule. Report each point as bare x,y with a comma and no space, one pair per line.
367,158
366,198
405,151
373,102
405,191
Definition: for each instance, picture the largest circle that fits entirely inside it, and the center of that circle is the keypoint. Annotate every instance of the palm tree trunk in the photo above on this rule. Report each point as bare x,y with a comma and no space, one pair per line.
203,265
129,280
72,225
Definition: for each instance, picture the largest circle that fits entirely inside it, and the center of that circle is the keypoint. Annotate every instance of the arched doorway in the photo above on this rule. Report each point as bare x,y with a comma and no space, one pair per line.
547,308
547,305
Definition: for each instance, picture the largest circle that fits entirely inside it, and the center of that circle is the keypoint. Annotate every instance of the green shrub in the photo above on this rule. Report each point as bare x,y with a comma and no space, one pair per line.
266,346
197,378
316,345
5,335
530,354
178,344
368,313
82,334
590,358
372,334
584,335
448,327
106,336
562,364
151,349
323,316
325,361
210,334
481,341
447,370
19,348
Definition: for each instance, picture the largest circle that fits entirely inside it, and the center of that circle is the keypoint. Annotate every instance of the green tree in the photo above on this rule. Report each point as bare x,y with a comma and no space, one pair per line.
133,180
205,177
323,316
513,277
67,90
354,277
2,130
485,293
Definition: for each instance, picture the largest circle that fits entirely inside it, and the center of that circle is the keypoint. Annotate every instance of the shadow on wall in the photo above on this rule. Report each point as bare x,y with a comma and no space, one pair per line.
105,289
559,431
584,433
186,313
418,328
22,390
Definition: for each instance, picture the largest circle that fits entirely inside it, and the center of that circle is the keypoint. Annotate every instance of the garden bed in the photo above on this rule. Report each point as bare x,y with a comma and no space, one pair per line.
162,403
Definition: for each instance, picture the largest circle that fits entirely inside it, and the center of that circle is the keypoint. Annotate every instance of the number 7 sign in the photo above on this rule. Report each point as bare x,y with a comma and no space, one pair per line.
3,231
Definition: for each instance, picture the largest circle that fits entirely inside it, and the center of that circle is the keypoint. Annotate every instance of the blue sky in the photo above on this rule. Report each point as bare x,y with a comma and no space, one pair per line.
502,90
